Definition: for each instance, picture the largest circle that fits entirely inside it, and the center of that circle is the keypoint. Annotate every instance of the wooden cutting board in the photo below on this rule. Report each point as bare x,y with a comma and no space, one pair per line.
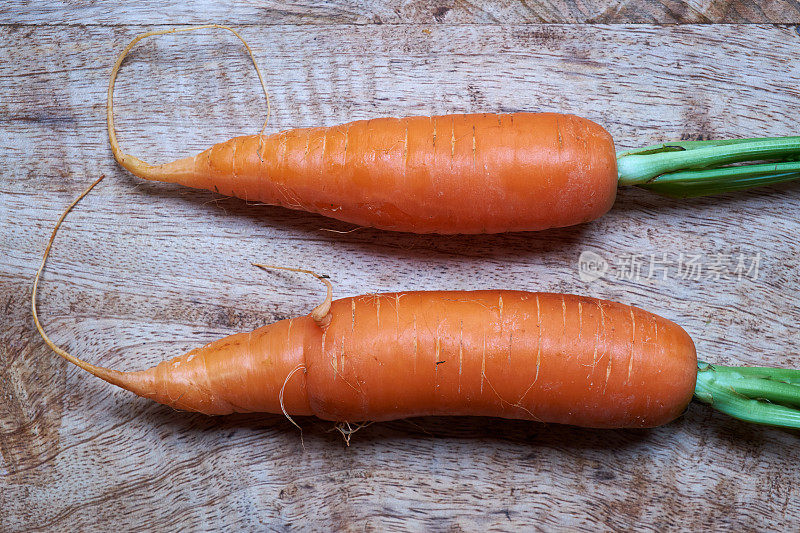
142,272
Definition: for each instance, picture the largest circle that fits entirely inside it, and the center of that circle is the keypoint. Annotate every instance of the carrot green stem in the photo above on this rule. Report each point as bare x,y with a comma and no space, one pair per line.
769,396
691,183
698,168
679,146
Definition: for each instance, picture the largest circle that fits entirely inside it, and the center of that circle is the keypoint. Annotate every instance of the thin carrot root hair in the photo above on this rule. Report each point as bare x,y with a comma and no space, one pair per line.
345,232
321,313
280,400
134,164
347,430
114,377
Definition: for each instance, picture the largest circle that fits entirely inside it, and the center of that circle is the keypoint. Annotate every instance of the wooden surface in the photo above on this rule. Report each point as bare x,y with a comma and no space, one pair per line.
371,12
142,272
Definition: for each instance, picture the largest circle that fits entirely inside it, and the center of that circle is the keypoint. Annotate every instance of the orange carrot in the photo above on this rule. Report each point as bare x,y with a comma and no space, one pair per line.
480,173
511,354
447,174
483,173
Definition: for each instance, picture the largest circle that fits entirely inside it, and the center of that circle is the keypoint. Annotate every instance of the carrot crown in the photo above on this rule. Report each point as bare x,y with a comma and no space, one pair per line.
699,168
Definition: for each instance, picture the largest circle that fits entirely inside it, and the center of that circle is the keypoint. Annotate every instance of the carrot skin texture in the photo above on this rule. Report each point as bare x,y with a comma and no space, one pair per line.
511,354
478,173
240,373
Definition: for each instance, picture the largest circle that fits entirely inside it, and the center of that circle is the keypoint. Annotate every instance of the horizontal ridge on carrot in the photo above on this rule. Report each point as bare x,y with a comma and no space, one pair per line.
512,354
465,173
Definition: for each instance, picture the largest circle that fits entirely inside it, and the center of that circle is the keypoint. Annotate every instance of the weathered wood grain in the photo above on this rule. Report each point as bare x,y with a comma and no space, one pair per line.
144,271
402,12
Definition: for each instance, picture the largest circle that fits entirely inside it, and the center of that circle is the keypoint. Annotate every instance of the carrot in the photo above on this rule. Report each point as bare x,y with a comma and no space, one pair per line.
511,354
478,173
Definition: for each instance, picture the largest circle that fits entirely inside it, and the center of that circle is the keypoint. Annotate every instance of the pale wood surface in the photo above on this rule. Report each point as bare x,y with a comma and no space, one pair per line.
402,12
143,271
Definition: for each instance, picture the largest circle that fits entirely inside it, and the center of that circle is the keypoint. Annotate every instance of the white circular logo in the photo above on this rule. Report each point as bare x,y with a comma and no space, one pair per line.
591,266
